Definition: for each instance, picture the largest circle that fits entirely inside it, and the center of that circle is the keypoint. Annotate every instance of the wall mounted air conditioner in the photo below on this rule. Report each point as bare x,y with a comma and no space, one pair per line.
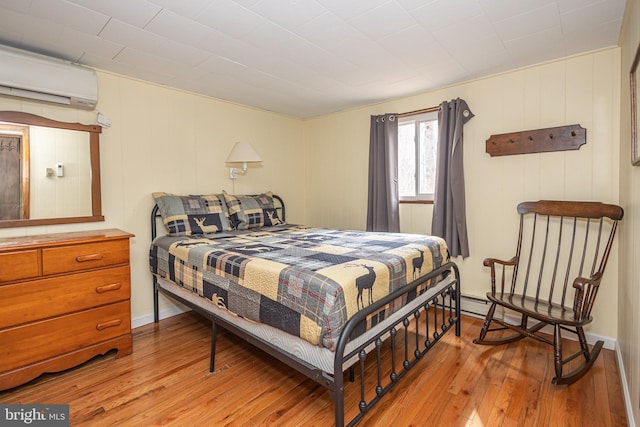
28,75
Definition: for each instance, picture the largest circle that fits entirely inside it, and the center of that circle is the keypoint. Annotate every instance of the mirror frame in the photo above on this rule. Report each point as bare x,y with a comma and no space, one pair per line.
16,117
635,134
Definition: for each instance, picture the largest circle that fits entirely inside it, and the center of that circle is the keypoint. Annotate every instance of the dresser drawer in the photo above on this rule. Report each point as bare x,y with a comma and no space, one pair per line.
66,259
40,299
19,265
37,341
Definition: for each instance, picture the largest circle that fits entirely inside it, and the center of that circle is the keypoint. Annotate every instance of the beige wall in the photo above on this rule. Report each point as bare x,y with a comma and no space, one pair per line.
628,313
167,140
582,89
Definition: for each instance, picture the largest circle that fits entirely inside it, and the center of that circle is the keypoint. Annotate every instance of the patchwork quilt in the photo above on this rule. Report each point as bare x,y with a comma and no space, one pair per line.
305,281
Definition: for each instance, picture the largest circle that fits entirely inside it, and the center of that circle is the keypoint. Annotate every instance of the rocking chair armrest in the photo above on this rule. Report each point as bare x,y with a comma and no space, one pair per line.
489,262
585,295
580,283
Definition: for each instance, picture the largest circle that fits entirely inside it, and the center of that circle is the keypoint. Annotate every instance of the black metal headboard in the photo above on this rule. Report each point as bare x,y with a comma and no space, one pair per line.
155,214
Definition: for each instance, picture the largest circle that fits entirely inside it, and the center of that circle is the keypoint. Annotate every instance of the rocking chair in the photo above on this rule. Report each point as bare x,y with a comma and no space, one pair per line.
559,243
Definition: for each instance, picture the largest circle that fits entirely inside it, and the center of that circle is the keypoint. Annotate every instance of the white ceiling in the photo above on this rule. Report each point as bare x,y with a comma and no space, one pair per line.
309,57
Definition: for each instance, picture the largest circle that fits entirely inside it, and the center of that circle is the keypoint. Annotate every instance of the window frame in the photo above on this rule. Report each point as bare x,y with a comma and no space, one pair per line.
418,117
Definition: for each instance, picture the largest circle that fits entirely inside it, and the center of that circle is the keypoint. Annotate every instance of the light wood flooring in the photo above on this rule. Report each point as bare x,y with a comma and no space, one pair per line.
166,381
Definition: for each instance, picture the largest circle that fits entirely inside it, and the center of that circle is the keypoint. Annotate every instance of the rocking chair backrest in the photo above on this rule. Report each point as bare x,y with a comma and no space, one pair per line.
559,241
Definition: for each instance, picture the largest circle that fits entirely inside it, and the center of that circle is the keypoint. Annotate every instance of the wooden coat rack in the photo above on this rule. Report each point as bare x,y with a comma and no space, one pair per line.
570,137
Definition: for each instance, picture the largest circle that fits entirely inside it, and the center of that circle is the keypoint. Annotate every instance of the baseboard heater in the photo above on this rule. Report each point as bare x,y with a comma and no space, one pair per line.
473,306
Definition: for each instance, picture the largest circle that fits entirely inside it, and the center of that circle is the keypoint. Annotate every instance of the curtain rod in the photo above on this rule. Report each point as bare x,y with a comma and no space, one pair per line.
424,110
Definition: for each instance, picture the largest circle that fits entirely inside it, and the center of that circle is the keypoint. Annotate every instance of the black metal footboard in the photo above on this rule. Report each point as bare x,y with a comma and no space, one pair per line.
409,339
402,343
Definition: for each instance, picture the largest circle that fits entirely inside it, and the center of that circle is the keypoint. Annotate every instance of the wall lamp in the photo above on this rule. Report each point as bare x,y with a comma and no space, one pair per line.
242,152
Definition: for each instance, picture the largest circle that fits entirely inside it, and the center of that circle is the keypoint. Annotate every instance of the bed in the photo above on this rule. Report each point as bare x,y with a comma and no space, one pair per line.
328,303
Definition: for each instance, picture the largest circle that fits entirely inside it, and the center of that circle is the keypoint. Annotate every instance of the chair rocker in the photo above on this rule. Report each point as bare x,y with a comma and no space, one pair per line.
559,243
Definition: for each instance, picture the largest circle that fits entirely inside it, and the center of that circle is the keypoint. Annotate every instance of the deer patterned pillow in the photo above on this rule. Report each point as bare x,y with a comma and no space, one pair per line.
247,212
186,215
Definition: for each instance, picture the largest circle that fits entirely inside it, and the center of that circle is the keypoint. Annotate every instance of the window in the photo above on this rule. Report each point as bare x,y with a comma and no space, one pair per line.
417,151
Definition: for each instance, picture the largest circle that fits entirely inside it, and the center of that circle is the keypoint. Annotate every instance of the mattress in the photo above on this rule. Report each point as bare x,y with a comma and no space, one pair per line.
306,282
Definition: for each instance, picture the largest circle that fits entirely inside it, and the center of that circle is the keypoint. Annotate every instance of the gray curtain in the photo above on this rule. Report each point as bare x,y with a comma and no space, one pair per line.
449,216
383,206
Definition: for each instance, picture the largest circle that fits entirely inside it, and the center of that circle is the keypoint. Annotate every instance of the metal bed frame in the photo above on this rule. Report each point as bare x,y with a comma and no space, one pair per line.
441,312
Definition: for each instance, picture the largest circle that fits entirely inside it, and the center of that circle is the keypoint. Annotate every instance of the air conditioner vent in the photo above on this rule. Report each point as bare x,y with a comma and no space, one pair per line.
31,76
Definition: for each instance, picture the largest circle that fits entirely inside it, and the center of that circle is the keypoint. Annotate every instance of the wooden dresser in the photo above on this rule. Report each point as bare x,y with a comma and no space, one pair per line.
64,298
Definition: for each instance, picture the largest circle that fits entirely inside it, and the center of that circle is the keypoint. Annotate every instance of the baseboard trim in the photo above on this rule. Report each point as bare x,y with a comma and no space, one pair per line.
609,343
625,388
470,305
171,311
478,307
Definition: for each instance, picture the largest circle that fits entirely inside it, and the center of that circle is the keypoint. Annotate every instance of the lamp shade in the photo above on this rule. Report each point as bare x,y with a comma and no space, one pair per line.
243,152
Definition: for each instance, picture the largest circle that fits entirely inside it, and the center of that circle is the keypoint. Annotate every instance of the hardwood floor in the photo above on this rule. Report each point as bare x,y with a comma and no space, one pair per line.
166,381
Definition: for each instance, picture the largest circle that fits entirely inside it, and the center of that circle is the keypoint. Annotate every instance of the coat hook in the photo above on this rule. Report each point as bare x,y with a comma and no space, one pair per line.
559,138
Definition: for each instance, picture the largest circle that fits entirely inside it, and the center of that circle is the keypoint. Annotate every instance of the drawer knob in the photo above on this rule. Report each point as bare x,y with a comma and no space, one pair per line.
89,257
107,288
109,324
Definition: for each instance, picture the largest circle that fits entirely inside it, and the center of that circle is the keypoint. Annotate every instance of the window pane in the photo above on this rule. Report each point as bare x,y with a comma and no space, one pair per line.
428,145
406,160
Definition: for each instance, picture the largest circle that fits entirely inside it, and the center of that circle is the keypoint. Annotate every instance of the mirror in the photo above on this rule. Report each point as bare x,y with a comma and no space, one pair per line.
49,171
